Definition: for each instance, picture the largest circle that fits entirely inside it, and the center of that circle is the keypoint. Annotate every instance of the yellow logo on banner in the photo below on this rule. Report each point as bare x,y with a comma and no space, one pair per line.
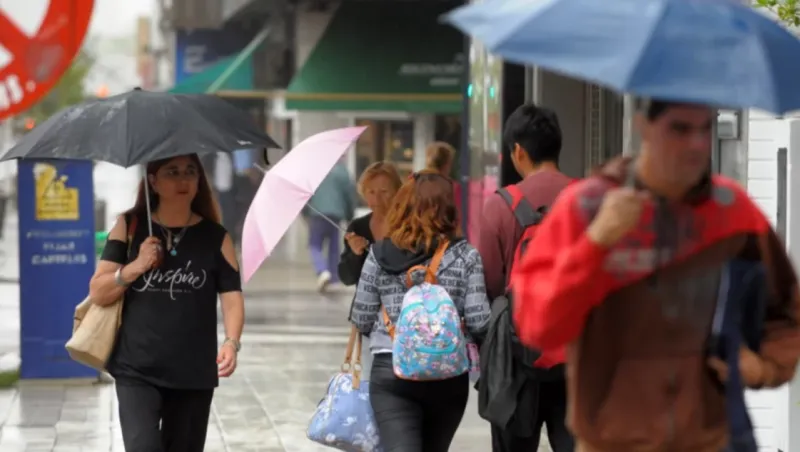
54,200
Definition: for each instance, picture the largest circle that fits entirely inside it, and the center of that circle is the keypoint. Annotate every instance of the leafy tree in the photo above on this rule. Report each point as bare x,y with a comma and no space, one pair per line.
786,10
68,91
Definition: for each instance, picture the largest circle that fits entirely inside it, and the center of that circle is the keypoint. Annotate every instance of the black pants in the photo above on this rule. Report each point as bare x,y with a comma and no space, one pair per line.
415,416
155,419
551,410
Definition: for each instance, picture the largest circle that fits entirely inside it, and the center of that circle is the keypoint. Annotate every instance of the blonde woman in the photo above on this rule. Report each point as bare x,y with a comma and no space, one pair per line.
377,186
440,157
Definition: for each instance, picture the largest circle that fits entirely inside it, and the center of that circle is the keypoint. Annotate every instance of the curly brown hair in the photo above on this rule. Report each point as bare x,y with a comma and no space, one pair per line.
423,212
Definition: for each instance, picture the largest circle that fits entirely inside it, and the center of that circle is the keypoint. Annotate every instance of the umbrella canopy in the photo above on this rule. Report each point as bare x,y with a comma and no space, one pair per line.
714,52
286,188
141,126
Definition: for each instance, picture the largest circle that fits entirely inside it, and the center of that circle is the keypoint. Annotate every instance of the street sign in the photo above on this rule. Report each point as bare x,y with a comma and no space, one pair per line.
39,60
56,245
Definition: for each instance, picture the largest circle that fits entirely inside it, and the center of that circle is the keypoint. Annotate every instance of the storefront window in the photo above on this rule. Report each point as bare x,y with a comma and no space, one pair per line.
494,123
392,141
485,131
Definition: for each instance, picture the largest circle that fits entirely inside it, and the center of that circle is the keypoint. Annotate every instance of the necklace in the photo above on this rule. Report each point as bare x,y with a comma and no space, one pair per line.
173,240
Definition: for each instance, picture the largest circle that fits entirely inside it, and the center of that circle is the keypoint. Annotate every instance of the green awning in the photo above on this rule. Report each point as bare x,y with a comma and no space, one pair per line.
384,56
241,79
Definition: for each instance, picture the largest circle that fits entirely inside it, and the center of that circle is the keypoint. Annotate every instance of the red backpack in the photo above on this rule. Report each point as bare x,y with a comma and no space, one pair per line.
528,217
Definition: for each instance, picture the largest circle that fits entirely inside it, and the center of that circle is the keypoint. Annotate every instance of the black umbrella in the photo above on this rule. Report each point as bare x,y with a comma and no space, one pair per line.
139,127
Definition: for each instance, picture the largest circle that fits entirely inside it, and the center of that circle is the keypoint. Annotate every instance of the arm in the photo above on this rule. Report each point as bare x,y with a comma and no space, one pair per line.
350,263
477,310
103,288
229,286
560,278
490,247
780,347
367,302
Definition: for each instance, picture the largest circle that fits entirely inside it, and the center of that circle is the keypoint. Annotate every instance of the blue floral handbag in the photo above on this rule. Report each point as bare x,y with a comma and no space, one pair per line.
344,419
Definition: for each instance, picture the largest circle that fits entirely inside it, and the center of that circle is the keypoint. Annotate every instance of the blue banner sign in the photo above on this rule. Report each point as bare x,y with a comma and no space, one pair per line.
197,50
56,261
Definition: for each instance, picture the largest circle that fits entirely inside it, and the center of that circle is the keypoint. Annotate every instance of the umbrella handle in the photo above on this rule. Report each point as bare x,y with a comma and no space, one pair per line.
147,203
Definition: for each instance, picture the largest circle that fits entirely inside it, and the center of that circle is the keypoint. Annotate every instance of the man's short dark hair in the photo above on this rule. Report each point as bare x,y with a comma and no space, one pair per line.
537,131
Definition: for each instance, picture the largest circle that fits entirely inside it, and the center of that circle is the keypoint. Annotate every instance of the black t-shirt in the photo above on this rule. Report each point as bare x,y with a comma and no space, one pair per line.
168,335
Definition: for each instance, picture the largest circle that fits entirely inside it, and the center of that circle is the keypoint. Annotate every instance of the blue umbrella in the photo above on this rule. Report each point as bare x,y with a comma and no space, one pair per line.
715,52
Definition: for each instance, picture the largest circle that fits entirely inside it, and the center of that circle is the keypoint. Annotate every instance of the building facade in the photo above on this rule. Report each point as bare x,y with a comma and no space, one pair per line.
334,63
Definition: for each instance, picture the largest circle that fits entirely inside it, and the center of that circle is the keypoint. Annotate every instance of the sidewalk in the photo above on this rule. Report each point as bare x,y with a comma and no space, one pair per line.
285,364
279,275
293,343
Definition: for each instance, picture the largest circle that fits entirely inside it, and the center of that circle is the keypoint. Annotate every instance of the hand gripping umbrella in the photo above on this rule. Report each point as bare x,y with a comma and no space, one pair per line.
138,127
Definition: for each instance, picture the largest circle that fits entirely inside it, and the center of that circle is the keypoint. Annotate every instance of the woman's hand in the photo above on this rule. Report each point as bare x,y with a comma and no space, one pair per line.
356,243
150,255
226,359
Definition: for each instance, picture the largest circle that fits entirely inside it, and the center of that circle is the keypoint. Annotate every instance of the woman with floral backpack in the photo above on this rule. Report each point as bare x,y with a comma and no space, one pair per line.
423,296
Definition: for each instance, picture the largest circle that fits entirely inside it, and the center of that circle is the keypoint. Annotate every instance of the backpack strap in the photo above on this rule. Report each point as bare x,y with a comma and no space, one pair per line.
430,277
431,269
523,211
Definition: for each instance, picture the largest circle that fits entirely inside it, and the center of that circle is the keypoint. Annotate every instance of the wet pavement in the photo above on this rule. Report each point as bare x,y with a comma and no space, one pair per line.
293,343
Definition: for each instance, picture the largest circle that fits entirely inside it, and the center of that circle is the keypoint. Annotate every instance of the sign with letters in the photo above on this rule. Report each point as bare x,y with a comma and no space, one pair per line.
39,45
57,260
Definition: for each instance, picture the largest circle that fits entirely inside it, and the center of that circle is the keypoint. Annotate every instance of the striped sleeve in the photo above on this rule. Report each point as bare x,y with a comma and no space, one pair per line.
476,305
367,302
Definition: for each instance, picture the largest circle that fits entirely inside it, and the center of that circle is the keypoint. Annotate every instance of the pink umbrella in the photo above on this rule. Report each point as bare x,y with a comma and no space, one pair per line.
286,188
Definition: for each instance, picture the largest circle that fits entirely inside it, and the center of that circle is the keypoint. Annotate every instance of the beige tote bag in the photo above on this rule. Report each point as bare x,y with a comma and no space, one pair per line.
95,328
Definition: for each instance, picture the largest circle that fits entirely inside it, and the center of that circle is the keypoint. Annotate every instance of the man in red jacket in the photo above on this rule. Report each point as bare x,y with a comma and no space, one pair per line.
534,135
626,269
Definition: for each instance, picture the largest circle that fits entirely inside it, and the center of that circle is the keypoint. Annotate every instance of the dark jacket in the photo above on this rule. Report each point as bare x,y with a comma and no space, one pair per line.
739,320
508,391
498,387
350,263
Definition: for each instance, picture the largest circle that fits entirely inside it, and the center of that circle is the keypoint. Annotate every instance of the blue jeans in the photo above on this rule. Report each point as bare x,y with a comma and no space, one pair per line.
320,231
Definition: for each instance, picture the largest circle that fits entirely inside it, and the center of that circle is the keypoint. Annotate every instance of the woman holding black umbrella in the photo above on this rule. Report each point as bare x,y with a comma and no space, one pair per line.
166,361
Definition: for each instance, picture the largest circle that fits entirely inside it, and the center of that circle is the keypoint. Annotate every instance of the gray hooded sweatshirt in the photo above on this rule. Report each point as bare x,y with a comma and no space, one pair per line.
383,283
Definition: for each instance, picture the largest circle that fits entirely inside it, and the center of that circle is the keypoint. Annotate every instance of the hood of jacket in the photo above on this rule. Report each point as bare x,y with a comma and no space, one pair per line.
395,261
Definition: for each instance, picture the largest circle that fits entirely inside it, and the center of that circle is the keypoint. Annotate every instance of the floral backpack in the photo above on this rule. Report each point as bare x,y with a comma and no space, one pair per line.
429,341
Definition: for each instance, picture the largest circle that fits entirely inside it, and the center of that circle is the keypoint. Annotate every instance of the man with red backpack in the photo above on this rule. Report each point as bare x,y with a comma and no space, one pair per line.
537,385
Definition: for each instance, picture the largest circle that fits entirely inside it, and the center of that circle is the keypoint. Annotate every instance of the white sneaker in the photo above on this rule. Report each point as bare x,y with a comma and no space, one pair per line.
323,280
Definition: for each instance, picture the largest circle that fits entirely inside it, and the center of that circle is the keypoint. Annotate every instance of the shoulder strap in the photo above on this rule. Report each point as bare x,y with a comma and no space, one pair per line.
430,270
523,211
430,277
437,257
